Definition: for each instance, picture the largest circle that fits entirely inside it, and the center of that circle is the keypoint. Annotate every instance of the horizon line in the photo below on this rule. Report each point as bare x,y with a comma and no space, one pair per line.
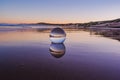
59,23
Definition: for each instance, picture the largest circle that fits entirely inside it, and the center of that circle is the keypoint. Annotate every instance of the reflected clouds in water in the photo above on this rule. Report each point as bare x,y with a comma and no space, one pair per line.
57,50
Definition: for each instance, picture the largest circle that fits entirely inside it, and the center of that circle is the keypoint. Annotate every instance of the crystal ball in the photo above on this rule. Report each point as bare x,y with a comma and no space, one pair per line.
57,35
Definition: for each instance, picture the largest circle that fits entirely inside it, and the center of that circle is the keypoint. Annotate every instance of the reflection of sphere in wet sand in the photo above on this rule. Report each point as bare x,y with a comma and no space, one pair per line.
57,50
57,35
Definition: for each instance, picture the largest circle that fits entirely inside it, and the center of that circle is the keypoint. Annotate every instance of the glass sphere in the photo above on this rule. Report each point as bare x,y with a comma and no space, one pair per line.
57,50
57,35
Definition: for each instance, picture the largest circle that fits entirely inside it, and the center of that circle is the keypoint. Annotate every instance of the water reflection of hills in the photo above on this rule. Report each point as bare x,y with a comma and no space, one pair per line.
113,33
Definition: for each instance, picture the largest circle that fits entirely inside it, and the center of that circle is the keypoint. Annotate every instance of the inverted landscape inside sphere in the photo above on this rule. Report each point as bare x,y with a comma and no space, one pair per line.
57,35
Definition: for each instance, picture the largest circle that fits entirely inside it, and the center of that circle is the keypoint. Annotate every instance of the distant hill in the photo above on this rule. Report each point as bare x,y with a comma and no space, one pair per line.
107,22
111,21
5,24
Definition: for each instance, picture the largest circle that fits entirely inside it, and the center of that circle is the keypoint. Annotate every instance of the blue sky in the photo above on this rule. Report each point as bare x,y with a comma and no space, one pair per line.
58,11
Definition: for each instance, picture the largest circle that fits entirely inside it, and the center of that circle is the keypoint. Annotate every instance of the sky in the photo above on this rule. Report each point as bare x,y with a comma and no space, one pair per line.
58,11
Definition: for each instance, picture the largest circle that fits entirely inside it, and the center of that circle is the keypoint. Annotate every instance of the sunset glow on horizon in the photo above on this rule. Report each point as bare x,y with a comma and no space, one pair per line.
58,11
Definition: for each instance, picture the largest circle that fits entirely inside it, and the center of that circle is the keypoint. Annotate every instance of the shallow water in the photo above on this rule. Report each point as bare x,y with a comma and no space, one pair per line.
27,55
